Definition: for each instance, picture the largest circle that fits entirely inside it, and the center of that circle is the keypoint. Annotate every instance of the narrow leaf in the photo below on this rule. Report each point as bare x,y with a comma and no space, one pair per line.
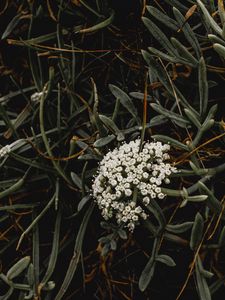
212,202
18,268
192,118
165,259
124,100
173,59
179,228
76,179
147,275
83,201
171,141
203,289
104,141
198,198
183,52
188,32
197,231
11,26
156,13
209,19
159,36
76,255
112,126
170,115
203,87
100,25
219,49
216,40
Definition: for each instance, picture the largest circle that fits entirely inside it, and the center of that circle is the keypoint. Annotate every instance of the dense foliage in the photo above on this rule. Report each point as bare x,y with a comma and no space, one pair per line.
81,80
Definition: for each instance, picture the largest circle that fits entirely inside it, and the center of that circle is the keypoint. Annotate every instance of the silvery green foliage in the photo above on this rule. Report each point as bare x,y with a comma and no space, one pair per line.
128,178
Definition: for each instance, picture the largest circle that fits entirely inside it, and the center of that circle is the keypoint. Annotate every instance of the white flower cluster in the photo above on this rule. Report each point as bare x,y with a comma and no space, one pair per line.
128,178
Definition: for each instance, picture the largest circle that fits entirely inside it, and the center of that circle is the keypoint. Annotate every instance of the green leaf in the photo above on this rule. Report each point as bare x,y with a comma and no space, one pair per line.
157,120
207,125
54,252
12,189
203,289
122,233
157,70
178,4
104,141
147,274
112,126
139,96
124,100
165,259
188,32
149,269
18,268
196,170
30,274
183,52
83,201
197,231
209,19
156,13
90,157
76,254
211,113
169,140
192,118
197,198
203,87
216,40
97,122
159,36
76,180
179,228
169,58
170,115
11,26
219,49
100,25
113,245
212,202
160,73
155,209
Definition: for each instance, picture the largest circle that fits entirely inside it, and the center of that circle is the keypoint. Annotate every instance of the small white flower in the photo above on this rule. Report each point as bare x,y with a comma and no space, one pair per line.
161,196
146,200
158,190
128,192
144,192
166,180
145,175
138,210
113,182
135,218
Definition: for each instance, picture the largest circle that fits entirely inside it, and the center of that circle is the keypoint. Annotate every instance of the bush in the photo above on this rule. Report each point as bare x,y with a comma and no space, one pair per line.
82,87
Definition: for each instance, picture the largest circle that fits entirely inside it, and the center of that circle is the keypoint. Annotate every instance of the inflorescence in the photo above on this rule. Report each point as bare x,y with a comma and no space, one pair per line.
128,178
